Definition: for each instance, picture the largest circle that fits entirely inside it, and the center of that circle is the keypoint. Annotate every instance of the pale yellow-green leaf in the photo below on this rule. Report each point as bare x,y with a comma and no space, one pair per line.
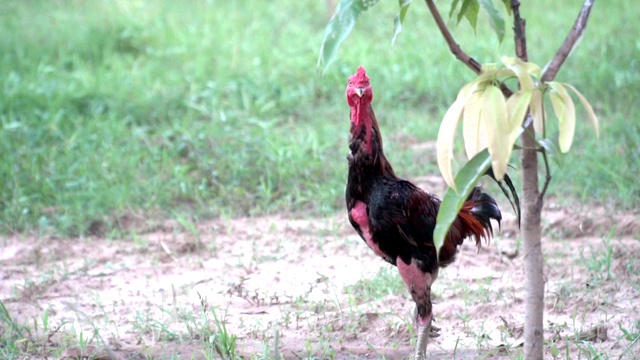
519,67
444,143
494,116
484,77
537,111
467,91
533,69
585,103
566,112
473,131
517,106
493,73
504,73
488,67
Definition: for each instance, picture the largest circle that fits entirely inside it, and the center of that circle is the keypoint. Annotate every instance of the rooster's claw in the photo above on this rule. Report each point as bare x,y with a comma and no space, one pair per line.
434,332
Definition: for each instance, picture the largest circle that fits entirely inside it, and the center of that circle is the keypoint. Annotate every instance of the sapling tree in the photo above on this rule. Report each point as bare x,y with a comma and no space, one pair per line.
494,117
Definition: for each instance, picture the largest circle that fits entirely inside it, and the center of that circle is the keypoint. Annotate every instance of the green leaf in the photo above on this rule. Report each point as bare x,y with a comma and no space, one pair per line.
551,148
469,11
339,27
397,22
452,202
507,6
495,18
454,6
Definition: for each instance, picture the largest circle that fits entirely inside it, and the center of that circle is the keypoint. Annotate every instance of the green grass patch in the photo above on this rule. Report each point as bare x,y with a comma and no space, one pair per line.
386,282
213,108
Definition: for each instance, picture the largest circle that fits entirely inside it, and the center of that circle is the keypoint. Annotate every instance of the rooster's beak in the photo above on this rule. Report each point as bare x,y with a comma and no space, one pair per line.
359,91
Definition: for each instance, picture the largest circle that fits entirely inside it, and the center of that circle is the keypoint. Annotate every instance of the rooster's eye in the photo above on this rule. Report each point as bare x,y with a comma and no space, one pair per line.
350,82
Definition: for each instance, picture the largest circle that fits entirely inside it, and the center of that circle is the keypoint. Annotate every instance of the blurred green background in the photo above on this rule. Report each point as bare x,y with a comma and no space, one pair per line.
112,110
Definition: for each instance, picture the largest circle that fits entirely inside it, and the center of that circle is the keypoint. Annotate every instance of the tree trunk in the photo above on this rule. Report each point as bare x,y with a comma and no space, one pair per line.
533,261
532,207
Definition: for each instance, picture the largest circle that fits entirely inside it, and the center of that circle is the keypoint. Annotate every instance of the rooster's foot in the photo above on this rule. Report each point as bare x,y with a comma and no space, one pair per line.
434,332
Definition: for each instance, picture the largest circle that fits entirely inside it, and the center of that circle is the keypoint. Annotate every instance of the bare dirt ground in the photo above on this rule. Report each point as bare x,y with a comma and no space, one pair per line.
143,296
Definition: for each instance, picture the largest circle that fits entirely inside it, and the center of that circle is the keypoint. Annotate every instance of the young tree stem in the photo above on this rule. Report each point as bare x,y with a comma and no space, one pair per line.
532,209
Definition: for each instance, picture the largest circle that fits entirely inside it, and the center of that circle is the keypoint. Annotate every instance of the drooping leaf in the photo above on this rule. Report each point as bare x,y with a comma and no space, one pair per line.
444,143
452,202
397,22
566,112
585,103
558,107
517,106
537,111
473,130
446,134
495,18
519,67
339,27
494,114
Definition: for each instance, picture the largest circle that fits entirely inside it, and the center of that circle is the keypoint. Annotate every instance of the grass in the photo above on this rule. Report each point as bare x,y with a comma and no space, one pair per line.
386,282
160,109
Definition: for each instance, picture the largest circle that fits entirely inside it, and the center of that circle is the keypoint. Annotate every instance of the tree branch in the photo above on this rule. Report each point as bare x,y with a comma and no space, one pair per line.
455,48
576,33
519,27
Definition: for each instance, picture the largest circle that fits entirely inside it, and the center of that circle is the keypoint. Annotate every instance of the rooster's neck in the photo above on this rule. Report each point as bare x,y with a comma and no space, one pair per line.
363,123
366,141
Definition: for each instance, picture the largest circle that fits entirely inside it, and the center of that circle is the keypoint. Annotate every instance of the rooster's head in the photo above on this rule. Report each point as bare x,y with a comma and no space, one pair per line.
359,88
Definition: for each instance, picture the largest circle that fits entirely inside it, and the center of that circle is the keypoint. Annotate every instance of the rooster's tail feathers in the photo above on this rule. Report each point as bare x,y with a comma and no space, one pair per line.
483,208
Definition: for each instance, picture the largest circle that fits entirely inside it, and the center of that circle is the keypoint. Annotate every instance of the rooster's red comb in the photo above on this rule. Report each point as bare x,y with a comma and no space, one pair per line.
361,74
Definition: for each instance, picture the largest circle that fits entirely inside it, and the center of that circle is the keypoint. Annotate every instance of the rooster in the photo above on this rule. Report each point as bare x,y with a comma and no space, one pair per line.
396,219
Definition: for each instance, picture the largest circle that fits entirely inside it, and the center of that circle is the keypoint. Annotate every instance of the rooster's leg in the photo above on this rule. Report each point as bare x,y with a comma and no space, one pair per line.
424,332
419,285
433,333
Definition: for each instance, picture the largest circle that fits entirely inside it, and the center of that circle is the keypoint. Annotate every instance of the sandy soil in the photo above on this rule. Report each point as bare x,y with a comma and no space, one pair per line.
143,295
